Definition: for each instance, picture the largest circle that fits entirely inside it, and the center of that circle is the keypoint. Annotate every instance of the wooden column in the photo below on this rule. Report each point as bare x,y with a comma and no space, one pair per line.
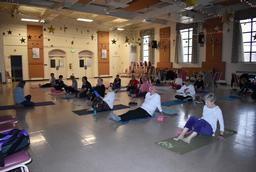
103,50
214,30
164,50
35,45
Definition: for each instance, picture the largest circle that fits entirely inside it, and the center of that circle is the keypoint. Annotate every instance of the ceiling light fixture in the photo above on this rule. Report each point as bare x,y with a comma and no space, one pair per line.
30,20
84,20
120,29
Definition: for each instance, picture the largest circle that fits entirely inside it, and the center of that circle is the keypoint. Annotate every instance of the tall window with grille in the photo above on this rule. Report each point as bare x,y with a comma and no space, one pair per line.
145,48
249,39
186,37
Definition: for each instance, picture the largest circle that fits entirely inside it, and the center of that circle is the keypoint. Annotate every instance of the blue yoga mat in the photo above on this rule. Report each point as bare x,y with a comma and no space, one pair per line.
8,107
169,112
173,102
230,98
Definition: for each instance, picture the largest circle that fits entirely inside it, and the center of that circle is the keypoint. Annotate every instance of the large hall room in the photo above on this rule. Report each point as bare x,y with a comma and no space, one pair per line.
128,85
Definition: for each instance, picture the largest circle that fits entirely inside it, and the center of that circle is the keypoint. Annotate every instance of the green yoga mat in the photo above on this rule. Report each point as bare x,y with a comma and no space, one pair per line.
199,141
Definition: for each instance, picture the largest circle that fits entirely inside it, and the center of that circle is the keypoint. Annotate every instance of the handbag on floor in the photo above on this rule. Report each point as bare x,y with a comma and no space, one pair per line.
11,142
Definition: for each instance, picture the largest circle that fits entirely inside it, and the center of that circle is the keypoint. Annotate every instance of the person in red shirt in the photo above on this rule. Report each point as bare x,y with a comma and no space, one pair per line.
133,86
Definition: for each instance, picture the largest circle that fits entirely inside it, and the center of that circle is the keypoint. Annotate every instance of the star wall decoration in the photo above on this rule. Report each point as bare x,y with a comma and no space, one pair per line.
22,40
51,29
3,33
45,29
9,32
29,36
92,37
72,42
113,41
48,39
40,36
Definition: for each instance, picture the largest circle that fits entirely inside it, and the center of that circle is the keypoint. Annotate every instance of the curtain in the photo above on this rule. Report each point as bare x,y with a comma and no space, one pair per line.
178,48
237,43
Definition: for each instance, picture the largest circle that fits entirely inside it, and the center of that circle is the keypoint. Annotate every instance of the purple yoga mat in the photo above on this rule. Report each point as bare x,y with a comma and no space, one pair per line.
21,157
8,107
7,119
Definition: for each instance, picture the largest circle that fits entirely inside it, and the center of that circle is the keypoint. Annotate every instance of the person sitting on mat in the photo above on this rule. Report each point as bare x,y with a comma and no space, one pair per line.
144,87
85,89
199,84
151,103
207,124
107,103
117,83
19,96
133,86
59,84
177,83
99,88
186,92
51,82
73,88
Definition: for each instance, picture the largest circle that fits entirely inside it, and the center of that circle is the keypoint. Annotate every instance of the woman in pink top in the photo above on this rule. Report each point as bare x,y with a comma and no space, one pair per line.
144,87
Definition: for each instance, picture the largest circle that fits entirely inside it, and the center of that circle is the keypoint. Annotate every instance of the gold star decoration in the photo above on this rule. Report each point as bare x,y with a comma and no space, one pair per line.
113,41
65,28
72,42
51,29
9,32
22,40
29,36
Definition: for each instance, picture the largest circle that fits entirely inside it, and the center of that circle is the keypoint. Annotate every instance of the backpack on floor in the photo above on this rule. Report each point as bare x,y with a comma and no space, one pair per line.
11,142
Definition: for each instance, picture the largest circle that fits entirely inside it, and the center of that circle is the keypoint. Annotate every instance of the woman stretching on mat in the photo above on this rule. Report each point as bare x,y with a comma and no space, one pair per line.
207,124
186,92
151,103
104,104
19,96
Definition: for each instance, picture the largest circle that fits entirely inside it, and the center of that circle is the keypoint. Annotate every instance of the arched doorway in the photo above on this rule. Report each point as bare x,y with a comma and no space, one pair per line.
85,62
57,61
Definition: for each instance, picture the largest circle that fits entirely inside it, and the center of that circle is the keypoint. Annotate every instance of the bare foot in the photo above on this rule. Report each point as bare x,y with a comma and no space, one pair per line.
177,138
186,140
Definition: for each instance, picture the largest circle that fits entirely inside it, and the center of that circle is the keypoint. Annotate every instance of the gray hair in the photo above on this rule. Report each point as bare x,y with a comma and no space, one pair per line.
210,97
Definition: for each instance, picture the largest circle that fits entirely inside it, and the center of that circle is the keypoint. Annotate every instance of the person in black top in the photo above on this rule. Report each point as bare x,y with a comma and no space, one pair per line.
199,84
117,83
244,84
59,84
99,89
86,87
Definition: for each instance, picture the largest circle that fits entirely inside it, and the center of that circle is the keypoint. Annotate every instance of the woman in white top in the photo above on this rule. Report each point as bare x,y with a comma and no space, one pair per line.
186,92
207,124
107,103
151,103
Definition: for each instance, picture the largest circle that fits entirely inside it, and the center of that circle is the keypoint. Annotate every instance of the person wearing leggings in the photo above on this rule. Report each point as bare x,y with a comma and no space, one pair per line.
151,103
186,92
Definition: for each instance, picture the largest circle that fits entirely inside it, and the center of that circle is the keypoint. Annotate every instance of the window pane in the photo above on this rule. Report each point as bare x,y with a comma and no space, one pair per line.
185,58
185,50
253,57
145,53
190,58
247,47
190,42
246,57
254,26
246,20
254,19
191,33
246,27
246,37
145,47
190,50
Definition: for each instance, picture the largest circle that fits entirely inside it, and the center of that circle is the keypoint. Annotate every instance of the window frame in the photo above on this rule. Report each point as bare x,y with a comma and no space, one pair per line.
252,42
189,39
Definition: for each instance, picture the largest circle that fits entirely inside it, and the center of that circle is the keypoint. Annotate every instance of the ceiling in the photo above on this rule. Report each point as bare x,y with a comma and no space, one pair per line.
130,14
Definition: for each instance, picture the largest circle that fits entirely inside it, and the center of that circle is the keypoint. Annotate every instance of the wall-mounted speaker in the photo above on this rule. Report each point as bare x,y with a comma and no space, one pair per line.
154,44
201,38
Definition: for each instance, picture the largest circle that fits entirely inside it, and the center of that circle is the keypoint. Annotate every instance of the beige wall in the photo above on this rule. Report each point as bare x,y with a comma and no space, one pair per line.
80,35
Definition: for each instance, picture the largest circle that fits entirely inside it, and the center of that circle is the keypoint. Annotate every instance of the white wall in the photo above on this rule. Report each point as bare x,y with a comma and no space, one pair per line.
227,54
76,32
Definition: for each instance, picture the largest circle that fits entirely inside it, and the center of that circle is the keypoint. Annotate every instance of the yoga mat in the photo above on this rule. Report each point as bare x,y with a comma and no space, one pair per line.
173,102
230,98
87,112
199,141
169,112
7,107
